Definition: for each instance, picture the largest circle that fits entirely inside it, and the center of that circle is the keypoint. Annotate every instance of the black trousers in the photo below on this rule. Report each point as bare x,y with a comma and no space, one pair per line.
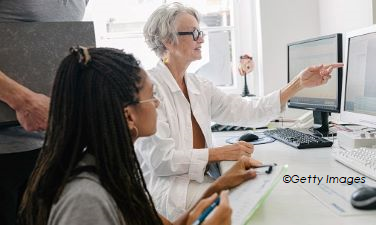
15,170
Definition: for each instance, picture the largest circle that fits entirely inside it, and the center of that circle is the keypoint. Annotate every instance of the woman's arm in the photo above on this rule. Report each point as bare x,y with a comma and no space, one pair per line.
240,172
31,108
310,77
237,174
220,215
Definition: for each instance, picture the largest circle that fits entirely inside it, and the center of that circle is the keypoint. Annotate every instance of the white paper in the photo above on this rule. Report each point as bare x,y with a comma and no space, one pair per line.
336,197
246,198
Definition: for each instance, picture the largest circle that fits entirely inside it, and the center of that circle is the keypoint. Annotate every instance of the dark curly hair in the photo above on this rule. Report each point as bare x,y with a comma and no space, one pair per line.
86,112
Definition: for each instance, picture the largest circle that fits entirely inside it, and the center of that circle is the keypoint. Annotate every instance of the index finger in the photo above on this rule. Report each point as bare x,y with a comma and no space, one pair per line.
249,162
334,65
246,144
224,198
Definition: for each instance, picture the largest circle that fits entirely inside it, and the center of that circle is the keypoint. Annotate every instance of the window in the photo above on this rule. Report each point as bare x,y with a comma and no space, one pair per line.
122,28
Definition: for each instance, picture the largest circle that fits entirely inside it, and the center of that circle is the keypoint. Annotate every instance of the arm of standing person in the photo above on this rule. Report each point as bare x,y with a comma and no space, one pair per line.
31,108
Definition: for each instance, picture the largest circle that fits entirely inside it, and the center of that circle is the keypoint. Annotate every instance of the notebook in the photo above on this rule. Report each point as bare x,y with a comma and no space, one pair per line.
246,198
30,53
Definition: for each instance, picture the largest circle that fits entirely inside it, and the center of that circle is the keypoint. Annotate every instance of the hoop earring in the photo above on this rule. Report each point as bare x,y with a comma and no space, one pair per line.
165,60
134,133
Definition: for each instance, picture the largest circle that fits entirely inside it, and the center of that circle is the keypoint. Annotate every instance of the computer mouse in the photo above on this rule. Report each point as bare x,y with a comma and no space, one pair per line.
248,137
364,198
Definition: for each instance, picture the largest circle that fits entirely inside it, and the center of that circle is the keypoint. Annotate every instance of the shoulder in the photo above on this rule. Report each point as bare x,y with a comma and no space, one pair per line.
200,83
84,201
198,79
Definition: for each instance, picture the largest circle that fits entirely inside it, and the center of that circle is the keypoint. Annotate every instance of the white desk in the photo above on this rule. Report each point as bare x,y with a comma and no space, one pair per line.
289,203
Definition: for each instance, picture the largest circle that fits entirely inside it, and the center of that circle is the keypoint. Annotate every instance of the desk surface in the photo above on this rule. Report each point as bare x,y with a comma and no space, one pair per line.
290,203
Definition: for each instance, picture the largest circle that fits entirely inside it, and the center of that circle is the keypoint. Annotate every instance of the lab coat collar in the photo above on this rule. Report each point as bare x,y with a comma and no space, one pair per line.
170,81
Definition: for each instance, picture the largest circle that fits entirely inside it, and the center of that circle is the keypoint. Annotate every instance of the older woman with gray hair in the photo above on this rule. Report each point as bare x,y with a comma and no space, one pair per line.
179,161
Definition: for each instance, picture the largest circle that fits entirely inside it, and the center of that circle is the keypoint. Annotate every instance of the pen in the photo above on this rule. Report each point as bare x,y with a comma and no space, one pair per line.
270,167
266,165
206,212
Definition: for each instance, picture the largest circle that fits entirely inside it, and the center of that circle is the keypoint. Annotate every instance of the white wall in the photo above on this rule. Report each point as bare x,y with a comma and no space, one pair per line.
374,11
284,21
340,16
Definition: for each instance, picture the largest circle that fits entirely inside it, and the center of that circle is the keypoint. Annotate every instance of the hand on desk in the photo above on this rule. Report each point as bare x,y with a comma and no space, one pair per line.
220,215
238,173
231,152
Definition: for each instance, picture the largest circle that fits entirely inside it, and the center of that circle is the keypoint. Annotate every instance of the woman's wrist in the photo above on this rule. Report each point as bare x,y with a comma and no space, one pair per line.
215,154
12,93
290,90
215,187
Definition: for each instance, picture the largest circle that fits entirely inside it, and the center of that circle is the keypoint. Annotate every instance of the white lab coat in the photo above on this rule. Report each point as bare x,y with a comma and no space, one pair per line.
167,158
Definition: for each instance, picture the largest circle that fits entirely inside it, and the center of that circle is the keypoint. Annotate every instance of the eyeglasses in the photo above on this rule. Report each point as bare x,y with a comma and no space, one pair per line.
152,99
196,34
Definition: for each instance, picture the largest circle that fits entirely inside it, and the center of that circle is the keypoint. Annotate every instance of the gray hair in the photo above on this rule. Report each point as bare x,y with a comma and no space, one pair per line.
160,27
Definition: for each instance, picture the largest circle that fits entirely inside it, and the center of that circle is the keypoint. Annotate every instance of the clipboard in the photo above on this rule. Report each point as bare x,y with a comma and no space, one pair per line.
249,196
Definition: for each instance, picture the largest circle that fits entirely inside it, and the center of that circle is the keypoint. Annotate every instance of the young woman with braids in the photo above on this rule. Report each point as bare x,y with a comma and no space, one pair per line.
87,171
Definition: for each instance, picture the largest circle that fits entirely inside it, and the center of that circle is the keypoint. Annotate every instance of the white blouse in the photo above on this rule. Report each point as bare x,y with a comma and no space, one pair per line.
167,158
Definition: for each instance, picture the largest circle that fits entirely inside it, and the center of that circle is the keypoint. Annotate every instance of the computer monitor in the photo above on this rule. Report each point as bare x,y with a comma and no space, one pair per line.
31,52
359,91
323,99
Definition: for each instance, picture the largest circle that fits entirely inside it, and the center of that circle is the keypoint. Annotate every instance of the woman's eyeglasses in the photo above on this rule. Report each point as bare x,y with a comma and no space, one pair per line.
196,34
153,99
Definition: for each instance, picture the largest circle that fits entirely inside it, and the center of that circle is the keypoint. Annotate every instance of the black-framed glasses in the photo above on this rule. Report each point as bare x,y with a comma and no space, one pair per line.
196,34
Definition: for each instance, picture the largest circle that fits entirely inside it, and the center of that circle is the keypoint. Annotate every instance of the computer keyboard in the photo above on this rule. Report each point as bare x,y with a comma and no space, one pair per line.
298,139
362,160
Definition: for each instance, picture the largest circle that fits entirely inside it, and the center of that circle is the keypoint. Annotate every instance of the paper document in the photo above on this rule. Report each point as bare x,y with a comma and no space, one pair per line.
336,197
246,198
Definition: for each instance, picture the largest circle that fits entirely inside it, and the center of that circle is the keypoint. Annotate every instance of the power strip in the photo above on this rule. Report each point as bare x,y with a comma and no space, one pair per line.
356,139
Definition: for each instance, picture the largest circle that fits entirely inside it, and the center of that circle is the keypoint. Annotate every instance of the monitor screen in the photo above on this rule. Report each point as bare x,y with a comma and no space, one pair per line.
316,51
359,87
31,52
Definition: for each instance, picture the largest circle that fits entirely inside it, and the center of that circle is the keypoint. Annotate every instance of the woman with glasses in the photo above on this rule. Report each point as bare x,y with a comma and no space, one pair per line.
87,171
179,162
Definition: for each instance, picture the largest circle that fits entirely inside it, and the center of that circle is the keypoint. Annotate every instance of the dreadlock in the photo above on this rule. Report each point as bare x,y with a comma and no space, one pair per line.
86,112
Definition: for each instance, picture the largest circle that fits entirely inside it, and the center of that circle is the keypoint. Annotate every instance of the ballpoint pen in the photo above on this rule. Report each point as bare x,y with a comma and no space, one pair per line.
207,211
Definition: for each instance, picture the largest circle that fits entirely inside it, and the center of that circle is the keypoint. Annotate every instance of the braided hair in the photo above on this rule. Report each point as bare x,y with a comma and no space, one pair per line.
86,112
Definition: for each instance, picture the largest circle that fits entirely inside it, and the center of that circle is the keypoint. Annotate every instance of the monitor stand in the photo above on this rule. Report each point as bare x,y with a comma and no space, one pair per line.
322,118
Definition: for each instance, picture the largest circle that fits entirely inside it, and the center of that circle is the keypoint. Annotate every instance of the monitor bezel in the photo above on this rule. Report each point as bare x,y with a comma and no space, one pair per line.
346,116
338,37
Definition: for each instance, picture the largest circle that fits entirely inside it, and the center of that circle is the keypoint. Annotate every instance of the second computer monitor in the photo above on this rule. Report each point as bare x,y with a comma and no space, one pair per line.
322,99
359,94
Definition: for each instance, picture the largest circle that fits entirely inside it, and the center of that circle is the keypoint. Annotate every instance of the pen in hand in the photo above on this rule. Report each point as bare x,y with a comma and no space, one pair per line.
207,211
270,167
